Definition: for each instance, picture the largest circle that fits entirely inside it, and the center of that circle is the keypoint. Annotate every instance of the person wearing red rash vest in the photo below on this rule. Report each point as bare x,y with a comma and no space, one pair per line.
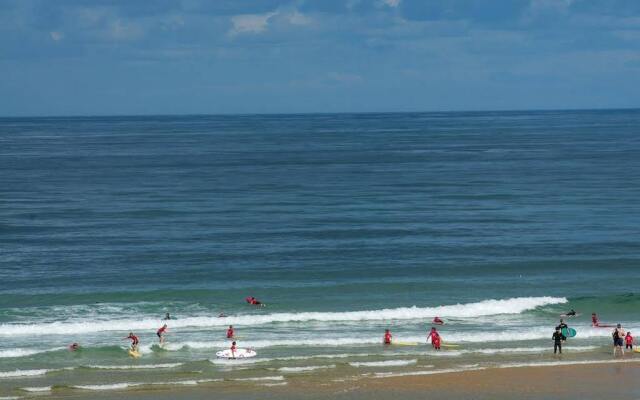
230,332
387,337
161,332
134,341
435,338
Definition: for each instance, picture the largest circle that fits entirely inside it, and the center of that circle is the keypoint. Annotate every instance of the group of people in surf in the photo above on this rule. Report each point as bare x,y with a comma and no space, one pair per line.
433,335
621,339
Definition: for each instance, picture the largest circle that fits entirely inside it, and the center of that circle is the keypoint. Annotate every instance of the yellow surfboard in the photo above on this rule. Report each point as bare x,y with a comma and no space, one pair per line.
134,353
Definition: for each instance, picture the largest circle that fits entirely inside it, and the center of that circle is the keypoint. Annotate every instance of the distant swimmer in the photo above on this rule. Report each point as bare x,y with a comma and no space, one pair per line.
253,301
628,340
167,317
558,338
161,332
134,341
233,350
571,313
222,315
438,321
387,336
435,338
74,346
230,332
618,335
594,320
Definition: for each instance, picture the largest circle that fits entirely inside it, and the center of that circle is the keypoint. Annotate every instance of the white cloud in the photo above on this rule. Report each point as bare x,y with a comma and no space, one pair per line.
392,3
297,18
56,36
250,23
124,30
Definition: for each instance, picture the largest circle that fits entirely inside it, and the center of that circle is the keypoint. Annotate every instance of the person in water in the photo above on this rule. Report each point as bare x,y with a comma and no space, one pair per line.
438,321
167,317
628,340
161,332
387,337
134,341
233,350
253,301
230,332
618,335
571,313
562,325
435,338
558,338
594,320
222,315
74,346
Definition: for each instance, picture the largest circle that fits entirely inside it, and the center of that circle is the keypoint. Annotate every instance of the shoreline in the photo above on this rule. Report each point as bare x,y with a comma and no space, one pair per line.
619,379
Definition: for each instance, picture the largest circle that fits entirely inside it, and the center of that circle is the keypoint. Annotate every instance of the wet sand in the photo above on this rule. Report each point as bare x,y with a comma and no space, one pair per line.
584,382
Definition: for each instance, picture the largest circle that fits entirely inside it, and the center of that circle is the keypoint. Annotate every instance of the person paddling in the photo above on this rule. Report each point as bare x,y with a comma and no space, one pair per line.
387,337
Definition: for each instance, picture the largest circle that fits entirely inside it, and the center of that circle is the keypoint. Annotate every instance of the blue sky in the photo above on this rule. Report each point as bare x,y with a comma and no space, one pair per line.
81,57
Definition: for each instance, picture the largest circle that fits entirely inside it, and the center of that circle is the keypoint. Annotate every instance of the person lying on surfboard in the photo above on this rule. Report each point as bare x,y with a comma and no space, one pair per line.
230,332
134,341
571,313
438,321
435,338
253,301
387,336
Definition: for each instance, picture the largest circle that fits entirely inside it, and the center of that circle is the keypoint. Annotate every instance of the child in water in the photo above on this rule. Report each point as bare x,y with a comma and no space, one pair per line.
628,339
435,338
387,337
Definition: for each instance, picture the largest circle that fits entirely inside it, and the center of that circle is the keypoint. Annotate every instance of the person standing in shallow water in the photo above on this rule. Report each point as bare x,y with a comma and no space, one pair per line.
387,337
558,338
435,338
618,335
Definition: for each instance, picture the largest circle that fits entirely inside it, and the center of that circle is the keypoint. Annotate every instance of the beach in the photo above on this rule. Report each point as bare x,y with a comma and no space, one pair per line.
343,225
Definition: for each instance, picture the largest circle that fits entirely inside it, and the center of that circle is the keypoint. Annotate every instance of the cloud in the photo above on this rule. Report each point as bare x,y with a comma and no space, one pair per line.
297,18
56,36
392,3
250,23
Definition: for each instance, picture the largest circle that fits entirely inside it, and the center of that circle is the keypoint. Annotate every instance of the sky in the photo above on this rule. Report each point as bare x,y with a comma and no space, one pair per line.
98,57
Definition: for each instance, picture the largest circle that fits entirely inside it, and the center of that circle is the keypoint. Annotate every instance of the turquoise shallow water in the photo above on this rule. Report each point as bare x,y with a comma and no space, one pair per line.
343,224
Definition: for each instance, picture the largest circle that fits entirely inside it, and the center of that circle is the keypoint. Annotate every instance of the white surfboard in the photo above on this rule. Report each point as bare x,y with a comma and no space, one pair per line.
239,353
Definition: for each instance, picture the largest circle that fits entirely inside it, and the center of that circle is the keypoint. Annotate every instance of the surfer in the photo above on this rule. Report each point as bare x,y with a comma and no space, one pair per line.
167,317
438,321
230,332
161,332
594,320
74,346
628,340
435,338
558,338
618,334
233,350
562,326
222,315
253,301
134,341
387,336
571,313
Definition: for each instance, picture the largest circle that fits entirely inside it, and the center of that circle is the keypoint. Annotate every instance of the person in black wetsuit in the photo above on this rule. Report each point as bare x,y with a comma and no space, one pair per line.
562,325
558,338
571,313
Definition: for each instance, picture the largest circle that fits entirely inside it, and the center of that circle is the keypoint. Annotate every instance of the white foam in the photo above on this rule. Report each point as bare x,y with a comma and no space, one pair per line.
125,385
36,389
305,369
418,373
23,373
388,363
9,397
143,366
16,353
112,386
469,310
274,384
262,378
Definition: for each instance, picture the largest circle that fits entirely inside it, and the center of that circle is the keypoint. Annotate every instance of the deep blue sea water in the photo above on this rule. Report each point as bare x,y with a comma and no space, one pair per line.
106,223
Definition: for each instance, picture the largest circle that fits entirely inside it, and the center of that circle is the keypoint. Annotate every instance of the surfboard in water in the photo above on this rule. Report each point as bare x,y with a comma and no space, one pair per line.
239,353
134,353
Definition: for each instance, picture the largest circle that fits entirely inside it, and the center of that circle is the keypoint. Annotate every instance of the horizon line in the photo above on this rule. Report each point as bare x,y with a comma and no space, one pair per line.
244,114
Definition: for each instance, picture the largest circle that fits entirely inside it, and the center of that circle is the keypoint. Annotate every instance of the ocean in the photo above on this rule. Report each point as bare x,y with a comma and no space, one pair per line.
344,225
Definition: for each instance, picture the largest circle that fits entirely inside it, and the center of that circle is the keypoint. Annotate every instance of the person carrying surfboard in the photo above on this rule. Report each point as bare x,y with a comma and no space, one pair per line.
230,332
161,332
562,326
435,338
134,341
387,337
